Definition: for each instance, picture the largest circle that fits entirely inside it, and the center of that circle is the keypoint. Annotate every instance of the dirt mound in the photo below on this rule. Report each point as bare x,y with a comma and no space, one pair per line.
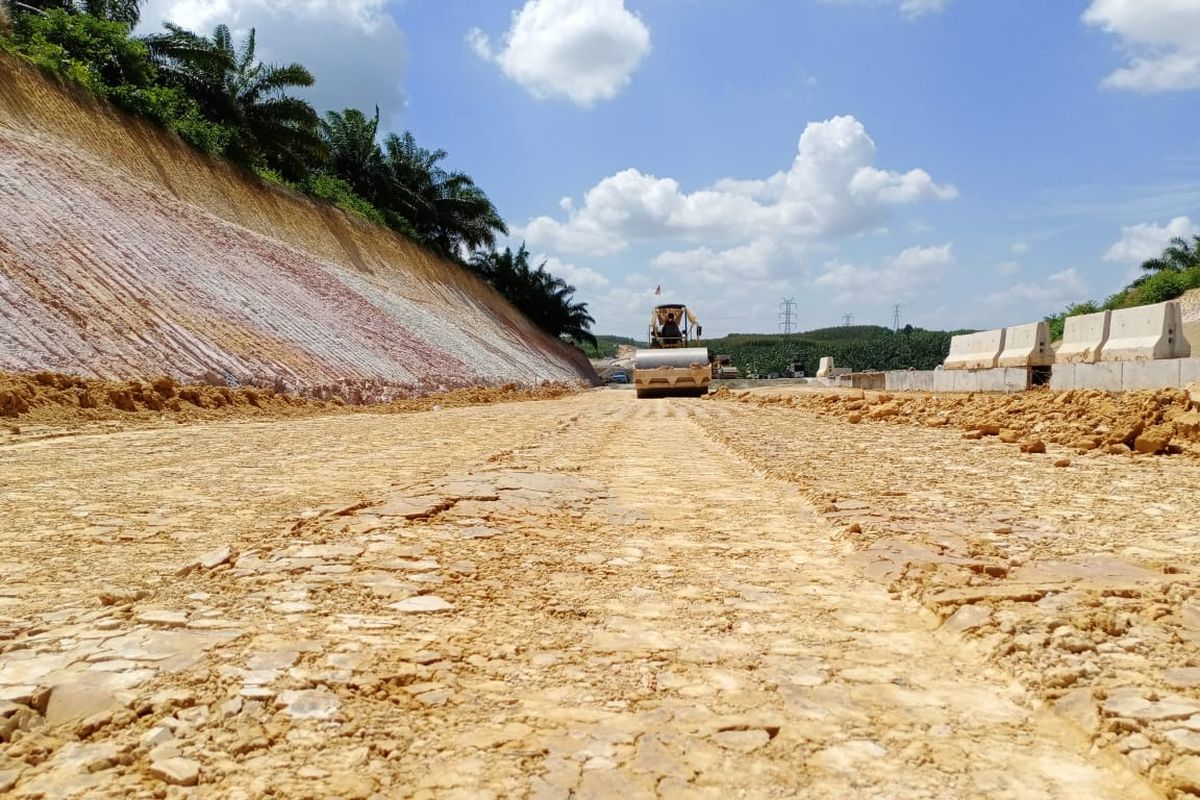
1085,420
67,401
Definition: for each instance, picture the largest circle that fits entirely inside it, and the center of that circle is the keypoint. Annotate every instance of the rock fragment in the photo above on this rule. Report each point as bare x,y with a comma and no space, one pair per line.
176,771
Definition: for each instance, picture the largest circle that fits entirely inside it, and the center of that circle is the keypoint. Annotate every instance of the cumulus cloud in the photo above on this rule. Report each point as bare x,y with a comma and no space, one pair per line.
353,47
899,276
1057,290
756,261
909,8
1020,248
583,50
832,189
1147,240
1008,268
1160,39
579,277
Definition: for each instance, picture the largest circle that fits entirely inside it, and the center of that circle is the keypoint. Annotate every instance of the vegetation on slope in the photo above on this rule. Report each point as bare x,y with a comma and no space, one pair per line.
215,94
1166,277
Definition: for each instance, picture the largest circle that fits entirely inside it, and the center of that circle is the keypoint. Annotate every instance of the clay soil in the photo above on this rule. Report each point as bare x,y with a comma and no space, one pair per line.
47,404
595,597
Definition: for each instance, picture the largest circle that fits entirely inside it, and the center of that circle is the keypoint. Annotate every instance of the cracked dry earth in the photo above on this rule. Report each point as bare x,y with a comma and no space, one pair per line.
592,597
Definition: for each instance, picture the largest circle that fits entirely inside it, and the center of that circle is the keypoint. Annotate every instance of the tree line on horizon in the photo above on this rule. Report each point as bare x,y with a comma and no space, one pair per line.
217,96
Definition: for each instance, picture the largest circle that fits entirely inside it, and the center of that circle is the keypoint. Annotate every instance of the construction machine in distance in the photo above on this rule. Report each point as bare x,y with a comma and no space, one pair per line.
674,365
723,368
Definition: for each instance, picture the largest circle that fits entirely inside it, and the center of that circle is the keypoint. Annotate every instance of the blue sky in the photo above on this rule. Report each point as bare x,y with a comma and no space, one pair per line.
980,162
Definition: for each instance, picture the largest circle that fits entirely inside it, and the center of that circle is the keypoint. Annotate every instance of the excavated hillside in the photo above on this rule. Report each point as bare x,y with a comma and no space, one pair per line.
126,254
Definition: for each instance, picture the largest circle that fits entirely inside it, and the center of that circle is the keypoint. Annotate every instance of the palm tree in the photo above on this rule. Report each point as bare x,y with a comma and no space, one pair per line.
449,212
547,300
354,155
126,11
1178,256
270,127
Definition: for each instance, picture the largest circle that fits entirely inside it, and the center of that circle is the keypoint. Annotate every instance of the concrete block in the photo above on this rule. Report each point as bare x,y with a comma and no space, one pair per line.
825,370
1084,338
922,381
943,380
1026,346
897,380
1146,333
975,350
1106,376
966,380
1062,377
1003,379
1150,374
1189,371
868,380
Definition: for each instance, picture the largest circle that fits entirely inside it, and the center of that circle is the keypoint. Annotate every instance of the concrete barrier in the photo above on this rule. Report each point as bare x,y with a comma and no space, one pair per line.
1026,346
868,380
975,350
1084,338
1146,333
826,368
1126,376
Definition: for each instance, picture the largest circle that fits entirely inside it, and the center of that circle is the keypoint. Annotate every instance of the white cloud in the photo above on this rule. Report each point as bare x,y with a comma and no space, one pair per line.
1141,242
896,277
1057,290
1160,39
831,190
756,261
353,47
579,277
909,8
583,50
1020,248
1008,268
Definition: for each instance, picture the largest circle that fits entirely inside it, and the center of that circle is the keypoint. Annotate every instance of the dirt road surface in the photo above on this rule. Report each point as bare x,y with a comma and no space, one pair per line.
593,597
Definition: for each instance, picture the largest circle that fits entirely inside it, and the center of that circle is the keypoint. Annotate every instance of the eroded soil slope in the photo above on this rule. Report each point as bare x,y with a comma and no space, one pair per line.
593,597
123,253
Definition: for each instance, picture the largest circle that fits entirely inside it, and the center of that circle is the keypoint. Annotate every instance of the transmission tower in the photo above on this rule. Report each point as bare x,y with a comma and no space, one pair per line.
847,320
896,317
786,314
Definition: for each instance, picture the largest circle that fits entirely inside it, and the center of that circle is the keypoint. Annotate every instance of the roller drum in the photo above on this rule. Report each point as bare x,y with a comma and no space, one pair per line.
678,358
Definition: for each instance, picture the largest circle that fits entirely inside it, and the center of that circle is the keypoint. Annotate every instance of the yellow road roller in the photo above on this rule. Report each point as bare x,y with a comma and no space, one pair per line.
674,365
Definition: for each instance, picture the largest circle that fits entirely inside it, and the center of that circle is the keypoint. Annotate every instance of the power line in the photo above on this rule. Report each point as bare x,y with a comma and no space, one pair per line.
896,317
786,315
847,320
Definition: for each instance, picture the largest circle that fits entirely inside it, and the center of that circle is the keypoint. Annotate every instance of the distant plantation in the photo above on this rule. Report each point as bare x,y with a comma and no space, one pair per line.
860,347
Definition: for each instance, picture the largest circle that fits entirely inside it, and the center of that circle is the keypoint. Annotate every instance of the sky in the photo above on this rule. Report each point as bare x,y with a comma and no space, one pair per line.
979,163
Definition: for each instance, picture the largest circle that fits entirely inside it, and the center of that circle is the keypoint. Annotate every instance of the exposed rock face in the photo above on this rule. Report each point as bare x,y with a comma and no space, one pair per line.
124,254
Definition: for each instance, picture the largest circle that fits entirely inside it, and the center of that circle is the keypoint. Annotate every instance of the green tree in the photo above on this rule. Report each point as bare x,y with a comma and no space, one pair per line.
99,55
354,154
547,300
1178,256
448,211
126,12
270,128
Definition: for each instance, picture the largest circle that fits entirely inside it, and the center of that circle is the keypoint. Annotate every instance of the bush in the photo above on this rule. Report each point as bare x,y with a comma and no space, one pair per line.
93,52
338,192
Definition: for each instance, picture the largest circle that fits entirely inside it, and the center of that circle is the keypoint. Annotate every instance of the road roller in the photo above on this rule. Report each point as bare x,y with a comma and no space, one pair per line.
674,365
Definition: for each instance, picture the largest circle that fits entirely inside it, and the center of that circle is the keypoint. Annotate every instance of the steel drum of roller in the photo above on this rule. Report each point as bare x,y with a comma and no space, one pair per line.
679,357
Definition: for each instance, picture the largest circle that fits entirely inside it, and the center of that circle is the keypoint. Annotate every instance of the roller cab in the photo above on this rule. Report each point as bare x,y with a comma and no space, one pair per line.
674,365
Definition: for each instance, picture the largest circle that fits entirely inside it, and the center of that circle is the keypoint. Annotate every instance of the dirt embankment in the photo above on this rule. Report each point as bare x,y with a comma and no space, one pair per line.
49,403
1084,420
124,253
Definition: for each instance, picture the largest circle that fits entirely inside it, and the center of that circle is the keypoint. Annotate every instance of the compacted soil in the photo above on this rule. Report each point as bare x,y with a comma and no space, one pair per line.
594,597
